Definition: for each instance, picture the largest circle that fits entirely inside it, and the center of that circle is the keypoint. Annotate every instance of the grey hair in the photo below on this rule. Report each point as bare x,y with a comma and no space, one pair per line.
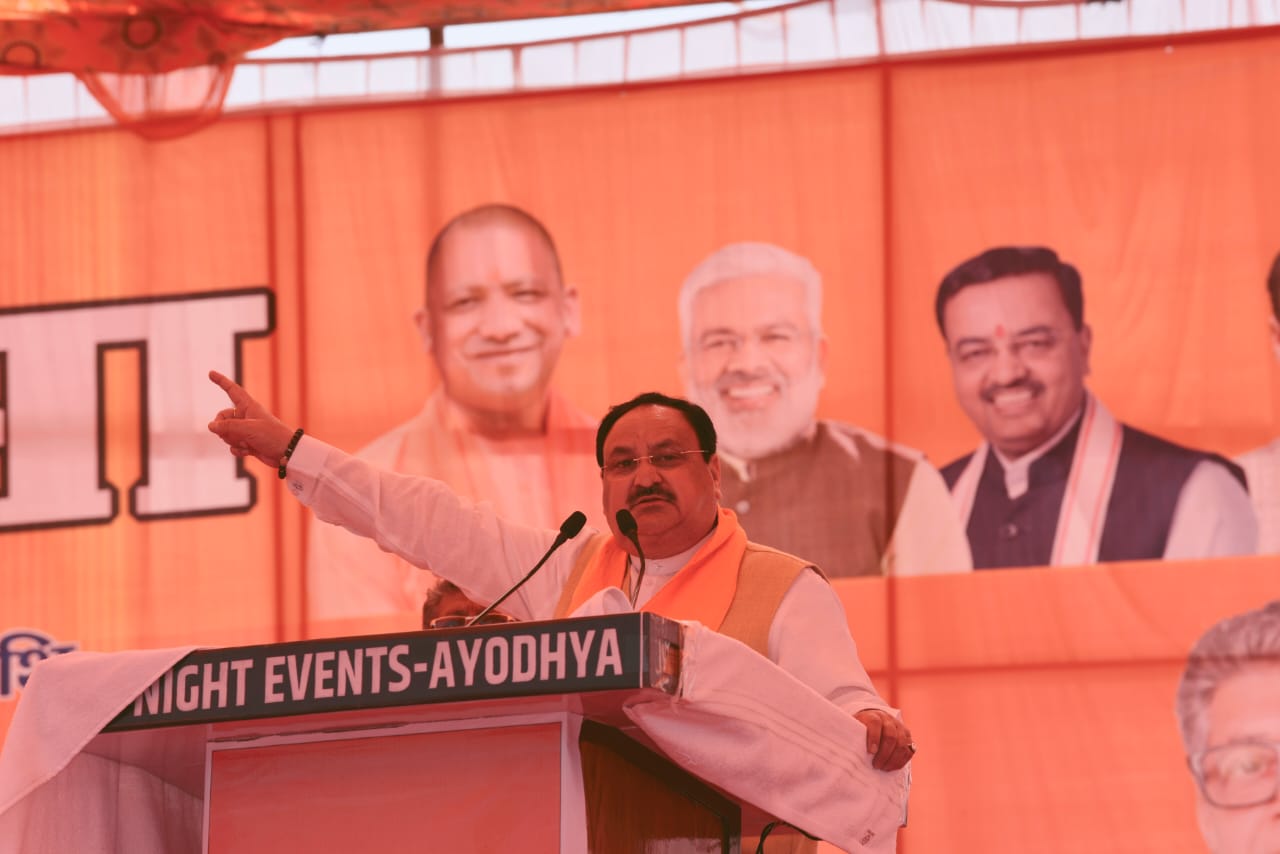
431,604
1236,644
739,260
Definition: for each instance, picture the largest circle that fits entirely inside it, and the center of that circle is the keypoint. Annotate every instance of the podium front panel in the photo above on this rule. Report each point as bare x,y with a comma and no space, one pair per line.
486,788
638,801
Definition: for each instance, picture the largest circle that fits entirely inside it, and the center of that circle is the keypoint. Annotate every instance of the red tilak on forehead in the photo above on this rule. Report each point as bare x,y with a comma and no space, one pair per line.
999,330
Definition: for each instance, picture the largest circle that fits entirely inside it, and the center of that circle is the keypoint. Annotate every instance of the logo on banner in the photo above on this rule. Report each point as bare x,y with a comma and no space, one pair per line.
20,651
52,419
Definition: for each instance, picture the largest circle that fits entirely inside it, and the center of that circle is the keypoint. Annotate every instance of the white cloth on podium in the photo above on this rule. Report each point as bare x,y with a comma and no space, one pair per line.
744,724
56,796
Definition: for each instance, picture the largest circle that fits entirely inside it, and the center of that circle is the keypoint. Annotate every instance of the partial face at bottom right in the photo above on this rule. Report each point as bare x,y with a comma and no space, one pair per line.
1245,710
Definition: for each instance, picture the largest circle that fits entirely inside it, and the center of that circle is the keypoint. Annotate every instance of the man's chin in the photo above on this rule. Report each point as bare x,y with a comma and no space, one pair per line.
761,406
504,383
750,444
1014,446
746,434
504,393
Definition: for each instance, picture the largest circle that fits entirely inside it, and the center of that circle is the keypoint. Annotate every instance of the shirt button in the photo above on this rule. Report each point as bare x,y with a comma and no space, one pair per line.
1009,531
743,506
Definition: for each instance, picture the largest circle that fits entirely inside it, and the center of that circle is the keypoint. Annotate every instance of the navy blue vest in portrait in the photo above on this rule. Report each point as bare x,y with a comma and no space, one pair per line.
1150,474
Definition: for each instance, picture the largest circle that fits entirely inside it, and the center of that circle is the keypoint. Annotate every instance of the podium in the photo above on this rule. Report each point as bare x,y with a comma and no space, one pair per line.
508,737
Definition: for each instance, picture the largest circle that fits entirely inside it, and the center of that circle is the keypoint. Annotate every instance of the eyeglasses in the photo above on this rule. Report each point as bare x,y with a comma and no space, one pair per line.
661,460
1239,775
456,621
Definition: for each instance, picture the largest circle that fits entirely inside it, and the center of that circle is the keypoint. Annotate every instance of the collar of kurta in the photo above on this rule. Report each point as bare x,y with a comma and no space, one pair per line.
1082,512
702,590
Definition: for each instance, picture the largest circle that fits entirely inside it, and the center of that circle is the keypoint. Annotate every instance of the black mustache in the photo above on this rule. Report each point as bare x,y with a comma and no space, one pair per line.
989,393
656,490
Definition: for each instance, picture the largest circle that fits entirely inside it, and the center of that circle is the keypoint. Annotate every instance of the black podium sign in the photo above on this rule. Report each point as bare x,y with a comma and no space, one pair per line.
622,651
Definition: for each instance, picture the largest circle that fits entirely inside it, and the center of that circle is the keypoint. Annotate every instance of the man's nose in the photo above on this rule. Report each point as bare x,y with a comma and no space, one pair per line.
1008,367
747,356
647,473
500,320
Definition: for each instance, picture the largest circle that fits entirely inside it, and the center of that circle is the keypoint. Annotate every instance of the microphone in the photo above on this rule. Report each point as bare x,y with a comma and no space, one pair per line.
628,528
568,530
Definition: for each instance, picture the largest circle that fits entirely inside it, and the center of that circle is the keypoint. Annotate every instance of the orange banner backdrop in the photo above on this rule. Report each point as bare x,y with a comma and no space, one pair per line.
1042,698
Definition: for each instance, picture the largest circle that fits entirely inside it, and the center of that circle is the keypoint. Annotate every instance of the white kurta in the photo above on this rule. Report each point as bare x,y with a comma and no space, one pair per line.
1262,470
425,523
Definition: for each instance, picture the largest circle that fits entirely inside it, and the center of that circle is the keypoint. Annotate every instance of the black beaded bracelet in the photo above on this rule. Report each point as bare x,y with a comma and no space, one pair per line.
288,452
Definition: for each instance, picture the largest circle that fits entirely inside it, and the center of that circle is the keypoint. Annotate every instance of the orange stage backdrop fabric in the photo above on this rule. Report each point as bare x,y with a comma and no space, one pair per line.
1042,698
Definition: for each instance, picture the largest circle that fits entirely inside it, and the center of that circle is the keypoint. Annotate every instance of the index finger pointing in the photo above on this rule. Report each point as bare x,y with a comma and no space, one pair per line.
237,394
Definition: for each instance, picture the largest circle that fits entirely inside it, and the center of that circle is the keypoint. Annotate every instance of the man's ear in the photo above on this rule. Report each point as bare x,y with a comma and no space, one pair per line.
1275,337
1086,343
422,322
714,465
572,309
823,351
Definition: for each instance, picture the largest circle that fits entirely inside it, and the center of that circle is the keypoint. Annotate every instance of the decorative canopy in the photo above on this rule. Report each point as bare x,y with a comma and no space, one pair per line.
162,67
156,36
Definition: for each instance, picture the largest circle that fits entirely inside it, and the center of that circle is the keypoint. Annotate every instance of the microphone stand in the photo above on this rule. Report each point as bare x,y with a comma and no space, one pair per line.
628,528
568,531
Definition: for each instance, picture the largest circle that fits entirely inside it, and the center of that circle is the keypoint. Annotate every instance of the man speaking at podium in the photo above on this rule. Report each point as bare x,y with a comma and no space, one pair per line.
687,558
